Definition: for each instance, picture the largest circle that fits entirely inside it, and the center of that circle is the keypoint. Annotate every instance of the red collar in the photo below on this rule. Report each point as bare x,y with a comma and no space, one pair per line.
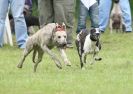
59,28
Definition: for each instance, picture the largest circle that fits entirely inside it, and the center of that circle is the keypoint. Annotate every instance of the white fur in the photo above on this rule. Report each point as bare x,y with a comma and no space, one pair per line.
89,45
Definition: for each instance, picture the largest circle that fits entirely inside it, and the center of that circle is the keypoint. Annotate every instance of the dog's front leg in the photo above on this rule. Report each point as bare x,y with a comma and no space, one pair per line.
64,56
97,58
93,58
46,49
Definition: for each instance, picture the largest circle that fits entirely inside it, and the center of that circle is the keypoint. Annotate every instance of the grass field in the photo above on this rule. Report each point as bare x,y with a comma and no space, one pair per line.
112,75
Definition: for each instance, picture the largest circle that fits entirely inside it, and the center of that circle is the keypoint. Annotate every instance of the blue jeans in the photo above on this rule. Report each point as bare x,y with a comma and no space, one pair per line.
20,25
84,12
104,13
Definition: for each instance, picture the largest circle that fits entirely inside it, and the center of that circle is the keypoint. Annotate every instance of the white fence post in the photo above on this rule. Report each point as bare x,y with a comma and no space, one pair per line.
8,34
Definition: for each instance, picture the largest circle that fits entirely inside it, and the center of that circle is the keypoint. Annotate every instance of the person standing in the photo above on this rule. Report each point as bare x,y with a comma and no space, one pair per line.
88,8
28,6
52,11
17,7
104,14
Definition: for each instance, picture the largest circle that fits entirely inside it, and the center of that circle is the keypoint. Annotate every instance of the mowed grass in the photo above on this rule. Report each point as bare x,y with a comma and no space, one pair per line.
112,75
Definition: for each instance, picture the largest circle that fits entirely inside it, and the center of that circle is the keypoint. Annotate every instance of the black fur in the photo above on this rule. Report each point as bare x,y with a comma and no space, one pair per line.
32,21
29,19
116,1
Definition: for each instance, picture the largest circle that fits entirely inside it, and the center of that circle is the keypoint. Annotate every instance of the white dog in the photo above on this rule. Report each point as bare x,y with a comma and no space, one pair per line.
45,39
116,21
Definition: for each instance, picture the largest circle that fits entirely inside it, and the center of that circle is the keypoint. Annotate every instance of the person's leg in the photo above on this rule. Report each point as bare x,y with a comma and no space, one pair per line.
126,14
3,12
94,15
17,7
104,12
64,10
83,13
98,1
46,13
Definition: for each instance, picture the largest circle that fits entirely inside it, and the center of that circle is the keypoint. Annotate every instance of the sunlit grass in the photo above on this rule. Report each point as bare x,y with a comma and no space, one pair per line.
112,75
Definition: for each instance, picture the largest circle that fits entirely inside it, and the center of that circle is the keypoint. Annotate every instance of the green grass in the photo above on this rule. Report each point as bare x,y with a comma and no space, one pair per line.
112,75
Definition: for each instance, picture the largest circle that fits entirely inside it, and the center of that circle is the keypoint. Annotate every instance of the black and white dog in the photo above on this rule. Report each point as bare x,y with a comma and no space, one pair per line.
87,42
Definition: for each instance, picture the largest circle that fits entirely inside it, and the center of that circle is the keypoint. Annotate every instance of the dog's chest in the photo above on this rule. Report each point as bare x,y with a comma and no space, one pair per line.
89,45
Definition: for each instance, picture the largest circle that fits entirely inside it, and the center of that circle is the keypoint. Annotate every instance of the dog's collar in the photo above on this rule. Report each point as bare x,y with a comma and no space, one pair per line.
59,28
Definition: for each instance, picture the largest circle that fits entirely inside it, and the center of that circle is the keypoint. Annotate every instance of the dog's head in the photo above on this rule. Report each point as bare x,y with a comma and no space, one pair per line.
26,10
116,1
60,35
94,34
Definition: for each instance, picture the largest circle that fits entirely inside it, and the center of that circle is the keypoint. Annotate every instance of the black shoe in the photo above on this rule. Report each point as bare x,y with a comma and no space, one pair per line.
1,46
101,31
128,31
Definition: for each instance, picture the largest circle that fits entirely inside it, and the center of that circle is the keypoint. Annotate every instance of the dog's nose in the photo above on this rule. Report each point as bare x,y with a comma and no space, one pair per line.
64,44
98,34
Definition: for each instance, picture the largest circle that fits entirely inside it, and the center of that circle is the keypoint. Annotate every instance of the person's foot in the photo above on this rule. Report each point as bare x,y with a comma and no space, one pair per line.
0,46
69,45
101,31
128,31
22,46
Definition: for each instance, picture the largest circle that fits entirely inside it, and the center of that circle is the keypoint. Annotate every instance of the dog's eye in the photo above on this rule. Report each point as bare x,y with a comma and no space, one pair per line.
64,36
59,36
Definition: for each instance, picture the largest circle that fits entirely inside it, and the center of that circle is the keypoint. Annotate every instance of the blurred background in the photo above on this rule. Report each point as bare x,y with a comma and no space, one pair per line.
35,12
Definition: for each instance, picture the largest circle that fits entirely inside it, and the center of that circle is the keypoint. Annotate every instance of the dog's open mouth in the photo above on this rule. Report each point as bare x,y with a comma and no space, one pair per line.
62,45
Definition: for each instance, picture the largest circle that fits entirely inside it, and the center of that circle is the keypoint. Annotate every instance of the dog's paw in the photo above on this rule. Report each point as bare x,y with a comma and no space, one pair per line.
98,59
19,66
83,68
91,63
59,66
67,63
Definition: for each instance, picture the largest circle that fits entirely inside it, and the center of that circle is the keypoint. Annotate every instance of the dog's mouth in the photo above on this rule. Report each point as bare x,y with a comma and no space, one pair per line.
94,37
62,45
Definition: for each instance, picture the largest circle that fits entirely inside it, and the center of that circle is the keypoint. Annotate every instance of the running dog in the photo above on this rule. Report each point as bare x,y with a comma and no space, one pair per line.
87,42
44,40
116,21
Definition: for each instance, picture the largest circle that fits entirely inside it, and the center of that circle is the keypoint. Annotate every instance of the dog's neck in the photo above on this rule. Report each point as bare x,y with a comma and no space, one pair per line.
116,8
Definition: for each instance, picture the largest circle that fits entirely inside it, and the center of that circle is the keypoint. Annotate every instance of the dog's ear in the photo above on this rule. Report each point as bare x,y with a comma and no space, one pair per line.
93,30
63,26
56,24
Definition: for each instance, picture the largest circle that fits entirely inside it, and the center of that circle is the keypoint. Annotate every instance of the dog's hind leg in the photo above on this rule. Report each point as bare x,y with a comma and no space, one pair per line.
34,56
80,52
40,55
83,60
26,52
